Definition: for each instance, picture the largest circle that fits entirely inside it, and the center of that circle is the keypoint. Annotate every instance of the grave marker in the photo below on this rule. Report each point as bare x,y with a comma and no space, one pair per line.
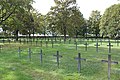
19,52
97,45
57,56
29,54
76,44
41,56
79,62
86,46
109,64
109,46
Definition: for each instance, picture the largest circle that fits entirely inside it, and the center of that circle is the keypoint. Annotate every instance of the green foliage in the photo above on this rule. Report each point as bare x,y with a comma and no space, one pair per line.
66,17
110,21
93,23
9,7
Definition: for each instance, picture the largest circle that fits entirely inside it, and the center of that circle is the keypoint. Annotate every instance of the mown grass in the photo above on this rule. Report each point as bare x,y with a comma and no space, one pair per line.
13,67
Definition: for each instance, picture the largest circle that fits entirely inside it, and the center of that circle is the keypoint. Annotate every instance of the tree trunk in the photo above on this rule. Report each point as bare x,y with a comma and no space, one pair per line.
64,33
16,33
33,35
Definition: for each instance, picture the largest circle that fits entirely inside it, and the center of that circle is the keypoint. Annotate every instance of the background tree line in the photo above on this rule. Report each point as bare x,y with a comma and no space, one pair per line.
65,18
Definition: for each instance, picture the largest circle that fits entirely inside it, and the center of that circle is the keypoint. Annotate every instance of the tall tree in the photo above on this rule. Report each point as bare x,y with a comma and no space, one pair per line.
94,21
12,12
66,17
110,21
8,7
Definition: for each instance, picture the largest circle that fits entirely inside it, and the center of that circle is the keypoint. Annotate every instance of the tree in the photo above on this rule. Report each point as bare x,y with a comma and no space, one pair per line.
93,22
66,17
110,21
8,7
12,13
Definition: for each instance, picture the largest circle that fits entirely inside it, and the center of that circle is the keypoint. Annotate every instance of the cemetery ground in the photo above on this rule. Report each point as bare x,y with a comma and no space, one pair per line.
30,65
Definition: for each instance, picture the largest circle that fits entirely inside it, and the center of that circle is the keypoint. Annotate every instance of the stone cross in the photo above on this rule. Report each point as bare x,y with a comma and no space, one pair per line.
29,53
109,64
41,56
79,62
57,56
97,45
109,45
86,46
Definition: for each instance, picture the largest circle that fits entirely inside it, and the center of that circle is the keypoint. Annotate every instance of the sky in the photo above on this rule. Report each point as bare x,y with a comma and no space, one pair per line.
86,6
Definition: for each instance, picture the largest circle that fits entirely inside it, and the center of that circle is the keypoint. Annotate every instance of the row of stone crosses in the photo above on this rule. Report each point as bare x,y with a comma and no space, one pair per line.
78,58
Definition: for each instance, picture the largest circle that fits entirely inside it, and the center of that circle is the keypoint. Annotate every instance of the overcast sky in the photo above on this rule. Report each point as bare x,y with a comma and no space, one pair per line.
86,6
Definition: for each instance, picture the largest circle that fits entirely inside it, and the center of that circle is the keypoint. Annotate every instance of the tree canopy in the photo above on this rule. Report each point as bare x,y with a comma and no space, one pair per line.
93,22
110,21
66,17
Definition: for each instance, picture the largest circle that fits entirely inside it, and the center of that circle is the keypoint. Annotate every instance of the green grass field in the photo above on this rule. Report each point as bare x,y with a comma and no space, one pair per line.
13,67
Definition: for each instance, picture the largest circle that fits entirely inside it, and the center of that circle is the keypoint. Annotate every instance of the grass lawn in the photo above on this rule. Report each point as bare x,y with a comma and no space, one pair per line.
13,67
